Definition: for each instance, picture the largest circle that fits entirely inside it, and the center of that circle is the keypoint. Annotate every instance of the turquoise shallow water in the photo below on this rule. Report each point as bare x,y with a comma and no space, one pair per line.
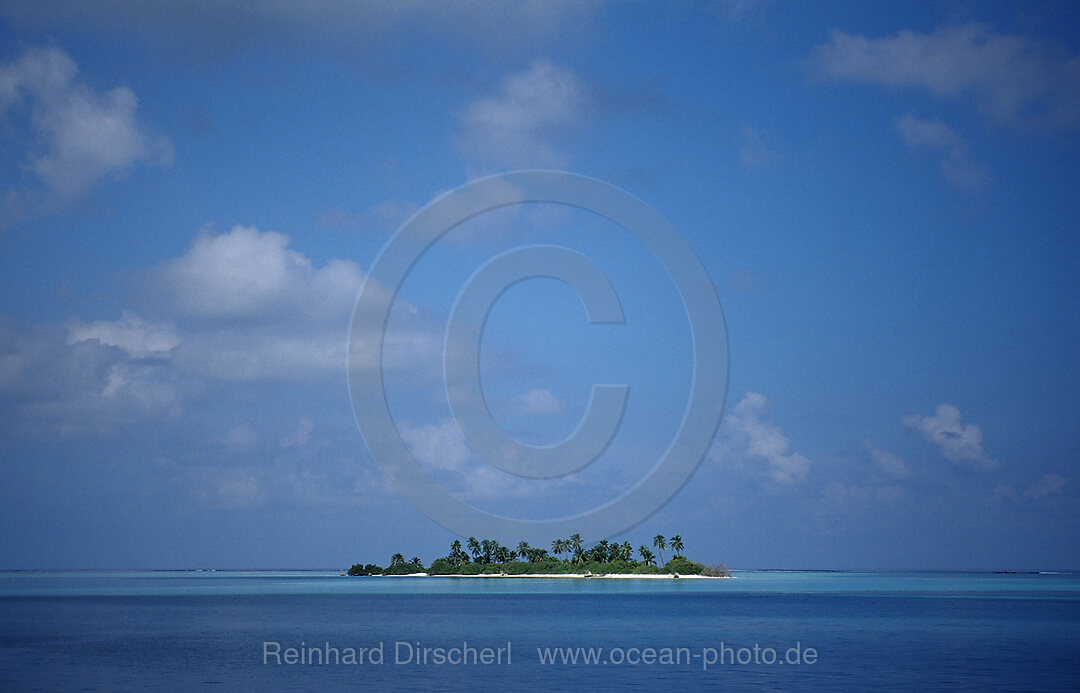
311,582
119,630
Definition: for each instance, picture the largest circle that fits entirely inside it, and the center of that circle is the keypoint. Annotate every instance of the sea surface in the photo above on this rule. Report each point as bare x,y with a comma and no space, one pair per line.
761,630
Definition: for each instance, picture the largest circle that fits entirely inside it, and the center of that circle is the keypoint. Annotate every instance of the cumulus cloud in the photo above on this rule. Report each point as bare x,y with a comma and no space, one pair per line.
745,438
956,165
52,384
888,462
242,306
1047,485
512,128
255,308
441,445
1016,80
247,274
958,443
137,337
74,136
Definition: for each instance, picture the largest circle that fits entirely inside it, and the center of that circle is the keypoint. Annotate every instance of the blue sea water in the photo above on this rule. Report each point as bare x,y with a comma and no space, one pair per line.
118,631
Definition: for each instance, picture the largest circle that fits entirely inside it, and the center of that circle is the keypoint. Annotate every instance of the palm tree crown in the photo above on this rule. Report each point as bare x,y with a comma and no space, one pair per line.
660,544
646,555
486,552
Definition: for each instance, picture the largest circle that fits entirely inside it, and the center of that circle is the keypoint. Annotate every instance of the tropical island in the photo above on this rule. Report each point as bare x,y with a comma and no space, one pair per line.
568,558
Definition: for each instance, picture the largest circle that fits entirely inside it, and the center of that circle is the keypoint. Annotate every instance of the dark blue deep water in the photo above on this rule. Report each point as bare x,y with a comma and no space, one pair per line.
207,631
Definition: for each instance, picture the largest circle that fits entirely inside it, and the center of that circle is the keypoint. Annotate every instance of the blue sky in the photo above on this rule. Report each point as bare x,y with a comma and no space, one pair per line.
884,197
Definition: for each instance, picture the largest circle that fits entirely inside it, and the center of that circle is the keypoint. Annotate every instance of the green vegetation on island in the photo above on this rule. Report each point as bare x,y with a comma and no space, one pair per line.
567,556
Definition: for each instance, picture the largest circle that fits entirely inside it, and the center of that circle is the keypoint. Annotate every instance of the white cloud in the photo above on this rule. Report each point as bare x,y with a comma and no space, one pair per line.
745,438
443,448
483,481
53,385
956,165
333,478
243,307
241,438
957,442
512,127
539,402
300,436
75,135
441,445
235,488
1015,79
1047,485
753,151
888,462
137,337
257,309
496,222
247,274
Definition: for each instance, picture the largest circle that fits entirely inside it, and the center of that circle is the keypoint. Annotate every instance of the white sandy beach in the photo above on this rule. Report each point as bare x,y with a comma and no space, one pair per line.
614,576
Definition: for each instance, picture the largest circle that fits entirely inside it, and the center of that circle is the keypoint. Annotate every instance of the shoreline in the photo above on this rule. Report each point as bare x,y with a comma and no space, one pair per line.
582,576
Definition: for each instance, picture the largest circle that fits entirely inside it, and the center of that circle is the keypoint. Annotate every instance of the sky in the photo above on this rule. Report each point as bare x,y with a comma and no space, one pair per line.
884,197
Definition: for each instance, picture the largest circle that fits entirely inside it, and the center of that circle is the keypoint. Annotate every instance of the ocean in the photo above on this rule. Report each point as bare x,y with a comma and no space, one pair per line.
306,630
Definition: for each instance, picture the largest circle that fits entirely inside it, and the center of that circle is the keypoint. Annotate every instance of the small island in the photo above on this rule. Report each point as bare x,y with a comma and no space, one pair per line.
568,558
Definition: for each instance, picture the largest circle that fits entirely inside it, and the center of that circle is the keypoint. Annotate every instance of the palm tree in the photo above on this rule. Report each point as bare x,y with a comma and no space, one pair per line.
558,547
575,542
627,551
502,554
646,555
487,546
676,544
455,552
660,544
417,563
397,559
474,548
579,555
523,549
